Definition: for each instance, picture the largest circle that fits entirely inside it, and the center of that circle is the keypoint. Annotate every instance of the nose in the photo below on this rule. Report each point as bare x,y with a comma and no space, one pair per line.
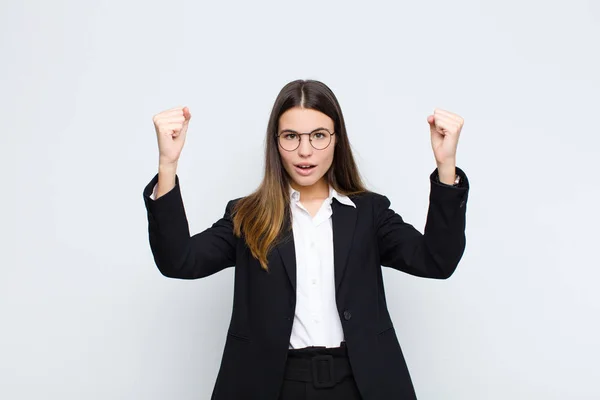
305,149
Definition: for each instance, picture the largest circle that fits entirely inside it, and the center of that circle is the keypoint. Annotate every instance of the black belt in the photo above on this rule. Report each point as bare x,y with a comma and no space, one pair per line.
323,370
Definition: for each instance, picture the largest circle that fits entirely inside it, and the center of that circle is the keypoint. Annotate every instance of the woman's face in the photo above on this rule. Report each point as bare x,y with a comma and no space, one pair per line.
303,120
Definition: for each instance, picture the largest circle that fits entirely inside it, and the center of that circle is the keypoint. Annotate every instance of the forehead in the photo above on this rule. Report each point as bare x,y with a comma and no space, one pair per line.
304,120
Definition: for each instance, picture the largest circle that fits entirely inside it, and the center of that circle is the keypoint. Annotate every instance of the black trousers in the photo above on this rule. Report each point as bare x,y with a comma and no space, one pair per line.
319,373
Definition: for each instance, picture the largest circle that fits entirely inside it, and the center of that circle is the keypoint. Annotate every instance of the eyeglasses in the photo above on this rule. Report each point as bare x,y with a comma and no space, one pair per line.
319,139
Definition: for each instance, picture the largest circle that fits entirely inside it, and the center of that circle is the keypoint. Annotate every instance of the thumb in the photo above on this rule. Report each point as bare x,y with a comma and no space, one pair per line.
431,120
187,115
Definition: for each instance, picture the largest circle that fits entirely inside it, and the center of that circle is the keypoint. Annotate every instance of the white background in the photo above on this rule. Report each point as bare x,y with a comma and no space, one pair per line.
85,313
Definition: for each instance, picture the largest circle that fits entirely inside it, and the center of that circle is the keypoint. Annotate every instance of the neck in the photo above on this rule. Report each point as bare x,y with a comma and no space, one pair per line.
319,190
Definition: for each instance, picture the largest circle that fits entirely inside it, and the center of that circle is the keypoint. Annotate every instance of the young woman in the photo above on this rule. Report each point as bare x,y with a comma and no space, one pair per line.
309,318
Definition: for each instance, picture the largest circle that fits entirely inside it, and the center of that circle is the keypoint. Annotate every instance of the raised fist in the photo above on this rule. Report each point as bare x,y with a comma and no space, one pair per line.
171,128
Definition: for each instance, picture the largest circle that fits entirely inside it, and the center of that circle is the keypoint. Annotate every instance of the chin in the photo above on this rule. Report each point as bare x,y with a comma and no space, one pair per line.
303,180
307,180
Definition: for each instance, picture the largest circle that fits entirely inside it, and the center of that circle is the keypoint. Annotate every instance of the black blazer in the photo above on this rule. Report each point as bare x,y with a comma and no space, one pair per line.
364,239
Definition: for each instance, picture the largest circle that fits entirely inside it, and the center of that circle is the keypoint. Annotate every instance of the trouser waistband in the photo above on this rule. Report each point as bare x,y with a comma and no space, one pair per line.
323,366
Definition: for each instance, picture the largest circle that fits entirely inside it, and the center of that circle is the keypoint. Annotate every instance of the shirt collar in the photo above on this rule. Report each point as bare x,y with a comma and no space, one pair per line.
295,196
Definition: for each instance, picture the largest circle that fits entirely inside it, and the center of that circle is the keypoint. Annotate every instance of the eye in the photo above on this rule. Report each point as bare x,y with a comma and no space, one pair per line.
320,135
289,136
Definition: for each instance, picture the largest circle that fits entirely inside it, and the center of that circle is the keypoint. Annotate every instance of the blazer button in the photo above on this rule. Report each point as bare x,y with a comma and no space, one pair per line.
462,203
347,315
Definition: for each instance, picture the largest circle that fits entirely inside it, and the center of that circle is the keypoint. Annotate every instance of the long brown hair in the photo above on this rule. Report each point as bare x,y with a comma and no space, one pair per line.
260,216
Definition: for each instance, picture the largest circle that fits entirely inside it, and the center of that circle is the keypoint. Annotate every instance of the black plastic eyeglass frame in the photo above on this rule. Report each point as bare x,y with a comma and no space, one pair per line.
300,140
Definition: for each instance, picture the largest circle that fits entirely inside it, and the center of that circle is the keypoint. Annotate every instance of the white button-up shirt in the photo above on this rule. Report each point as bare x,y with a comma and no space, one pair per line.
316,320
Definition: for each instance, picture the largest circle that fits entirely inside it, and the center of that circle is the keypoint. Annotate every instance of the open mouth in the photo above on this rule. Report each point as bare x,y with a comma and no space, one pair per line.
304,169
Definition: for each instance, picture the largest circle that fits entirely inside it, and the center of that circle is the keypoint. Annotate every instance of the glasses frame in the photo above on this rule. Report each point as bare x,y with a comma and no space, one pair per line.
300,136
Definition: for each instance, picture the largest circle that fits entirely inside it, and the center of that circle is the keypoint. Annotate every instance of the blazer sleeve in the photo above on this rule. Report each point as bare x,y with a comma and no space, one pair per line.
176,253
436,253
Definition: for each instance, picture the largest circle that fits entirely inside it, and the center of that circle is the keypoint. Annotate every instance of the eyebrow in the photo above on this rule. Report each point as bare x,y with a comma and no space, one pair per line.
314,130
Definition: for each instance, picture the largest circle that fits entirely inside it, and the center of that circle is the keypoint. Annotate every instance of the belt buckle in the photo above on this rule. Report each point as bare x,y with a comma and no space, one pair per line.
316,382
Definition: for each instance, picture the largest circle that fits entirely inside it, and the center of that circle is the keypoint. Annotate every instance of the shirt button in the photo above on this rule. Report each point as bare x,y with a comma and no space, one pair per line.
314,281
347,315
312,244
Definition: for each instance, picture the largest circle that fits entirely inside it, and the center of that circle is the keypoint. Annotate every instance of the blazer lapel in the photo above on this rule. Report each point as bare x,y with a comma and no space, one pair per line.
343,224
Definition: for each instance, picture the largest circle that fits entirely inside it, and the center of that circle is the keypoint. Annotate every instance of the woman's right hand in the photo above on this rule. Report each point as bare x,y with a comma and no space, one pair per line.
171,128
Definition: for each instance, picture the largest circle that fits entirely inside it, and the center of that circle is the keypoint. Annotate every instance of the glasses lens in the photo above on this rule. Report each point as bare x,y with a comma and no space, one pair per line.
289,141
320,139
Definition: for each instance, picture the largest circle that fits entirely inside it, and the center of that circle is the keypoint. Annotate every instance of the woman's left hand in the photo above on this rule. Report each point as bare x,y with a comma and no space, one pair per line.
445,130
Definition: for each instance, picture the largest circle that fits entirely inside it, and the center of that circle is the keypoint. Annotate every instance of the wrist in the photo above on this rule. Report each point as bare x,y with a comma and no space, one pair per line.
447,174
447,163
167,166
